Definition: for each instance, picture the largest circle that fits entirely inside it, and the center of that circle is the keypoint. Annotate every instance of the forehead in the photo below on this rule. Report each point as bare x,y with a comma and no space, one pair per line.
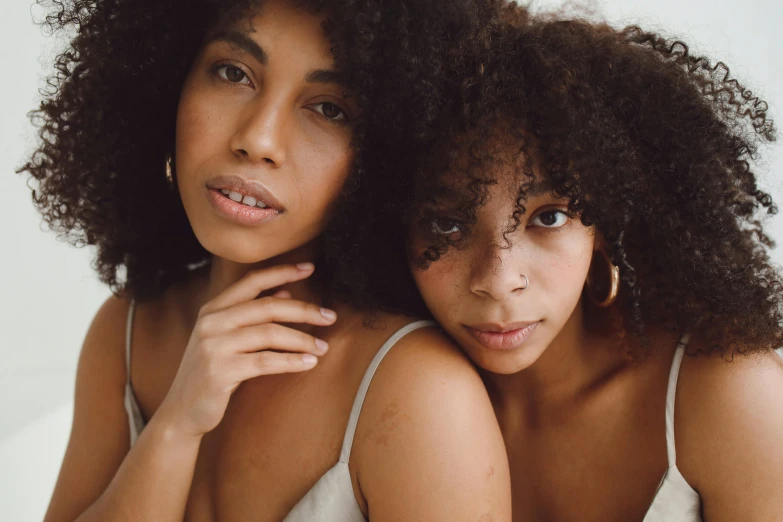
278,25
508,167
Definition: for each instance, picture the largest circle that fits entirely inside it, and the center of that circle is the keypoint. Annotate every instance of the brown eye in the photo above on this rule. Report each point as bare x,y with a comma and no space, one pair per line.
330,111
446,227
232,74
550,219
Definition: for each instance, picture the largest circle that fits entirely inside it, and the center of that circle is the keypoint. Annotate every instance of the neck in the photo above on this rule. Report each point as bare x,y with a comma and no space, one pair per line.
571,365
223,273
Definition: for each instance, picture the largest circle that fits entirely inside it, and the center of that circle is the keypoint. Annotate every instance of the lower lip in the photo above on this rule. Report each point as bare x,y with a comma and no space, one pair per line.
502,341
239,213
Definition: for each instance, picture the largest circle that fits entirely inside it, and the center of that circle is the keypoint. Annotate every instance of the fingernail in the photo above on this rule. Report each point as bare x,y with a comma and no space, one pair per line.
309,360
328,314
305,266
322,345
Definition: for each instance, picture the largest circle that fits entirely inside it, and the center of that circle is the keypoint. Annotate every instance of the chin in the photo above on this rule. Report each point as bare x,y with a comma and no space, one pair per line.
238,249
506,362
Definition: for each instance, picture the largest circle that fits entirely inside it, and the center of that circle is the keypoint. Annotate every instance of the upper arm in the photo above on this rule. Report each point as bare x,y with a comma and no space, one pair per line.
99,437
729,446
428,445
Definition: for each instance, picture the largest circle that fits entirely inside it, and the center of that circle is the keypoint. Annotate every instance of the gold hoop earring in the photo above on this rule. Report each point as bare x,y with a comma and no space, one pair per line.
614,283
169,171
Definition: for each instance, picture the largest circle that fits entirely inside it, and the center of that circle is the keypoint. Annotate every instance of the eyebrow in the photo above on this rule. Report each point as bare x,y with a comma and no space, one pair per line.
244,42
326,76
247,44
540,188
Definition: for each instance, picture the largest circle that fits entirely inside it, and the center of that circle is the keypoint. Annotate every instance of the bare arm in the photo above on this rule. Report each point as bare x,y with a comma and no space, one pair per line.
429,446
728,431
158,469
101,479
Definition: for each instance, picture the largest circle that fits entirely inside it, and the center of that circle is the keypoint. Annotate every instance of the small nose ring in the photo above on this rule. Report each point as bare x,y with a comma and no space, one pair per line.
527,283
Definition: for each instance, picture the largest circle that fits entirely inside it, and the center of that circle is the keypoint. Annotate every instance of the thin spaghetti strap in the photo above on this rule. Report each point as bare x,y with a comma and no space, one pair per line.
671,392
128,338
345,454
135,418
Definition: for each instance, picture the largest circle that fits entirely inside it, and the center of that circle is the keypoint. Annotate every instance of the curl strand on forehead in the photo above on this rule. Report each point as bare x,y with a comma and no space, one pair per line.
107,122
666,174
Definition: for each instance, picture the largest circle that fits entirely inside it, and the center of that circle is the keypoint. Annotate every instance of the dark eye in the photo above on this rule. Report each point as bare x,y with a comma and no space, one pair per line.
330,111
446,227
232,74
550,219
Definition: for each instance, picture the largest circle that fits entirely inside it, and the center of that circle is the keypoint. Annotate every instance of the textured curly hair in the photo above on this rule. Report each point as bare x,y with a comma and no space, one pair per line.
108,119
647,142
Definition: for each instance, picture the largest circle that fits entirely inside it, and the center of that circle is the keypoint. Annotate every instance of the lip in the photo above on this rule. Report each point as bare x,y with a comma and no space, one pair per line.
237,212
247,187
502,336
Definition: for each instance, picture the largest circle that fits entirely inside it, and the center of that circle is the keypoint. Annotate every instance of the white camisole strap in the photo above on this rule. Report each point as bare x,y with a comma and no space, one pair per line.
674,374
345,454
135,418
128,338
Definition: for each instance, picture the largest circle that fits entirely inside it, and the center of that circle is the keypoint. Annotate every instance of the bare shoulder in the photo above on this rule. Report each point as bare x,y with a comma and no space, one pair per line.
728,422
716,389
428,434
427,374
428,357
99,433
105,340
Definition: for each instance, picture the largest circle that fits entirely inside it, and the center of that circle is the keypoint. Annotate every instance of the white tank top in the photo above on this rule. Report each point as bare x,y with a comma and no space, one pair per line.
332,498
676,500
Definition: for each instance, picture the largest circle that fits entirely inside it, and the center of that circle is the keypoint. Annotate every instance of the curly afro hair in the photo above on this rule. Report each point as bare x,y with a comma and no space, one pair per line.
648,143
108,119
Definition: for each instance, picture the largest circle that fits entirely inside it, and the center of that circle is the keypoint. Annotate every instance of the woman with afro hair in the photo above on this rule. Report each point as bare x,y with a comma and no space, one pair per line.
221,158
589,231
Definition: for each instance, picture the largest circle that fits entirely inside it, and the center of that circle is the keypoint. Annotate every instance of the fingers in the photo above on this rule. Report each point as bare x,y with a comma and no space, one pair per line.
271,336
265,310
256,364
250,286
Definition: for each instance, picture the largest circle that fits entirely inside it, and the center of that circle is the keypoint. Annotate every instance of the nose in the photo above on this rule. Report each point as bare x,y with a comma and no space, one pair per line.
260,136
497,274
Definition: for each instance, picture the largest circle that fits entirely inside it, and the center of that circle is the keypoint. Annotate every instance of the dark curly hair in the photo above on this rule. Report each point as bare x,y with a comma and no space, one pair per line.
647,142
108,119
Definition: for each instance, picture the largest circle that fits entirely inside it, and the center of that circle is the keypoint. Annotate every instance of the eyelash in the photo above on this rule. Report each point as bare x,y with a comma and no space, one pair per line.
435,230
551,211
225,66
344,120
221,68
458,228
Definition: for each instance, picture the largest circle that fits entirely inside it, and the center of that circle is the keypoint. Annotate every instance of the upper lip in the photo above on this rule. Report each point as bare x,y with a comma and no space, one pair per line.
247,187
501,327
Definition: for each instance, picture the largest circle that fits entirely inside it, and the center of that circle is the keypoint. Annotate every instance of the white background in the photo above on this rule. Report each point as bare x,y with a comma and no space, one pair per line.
49,293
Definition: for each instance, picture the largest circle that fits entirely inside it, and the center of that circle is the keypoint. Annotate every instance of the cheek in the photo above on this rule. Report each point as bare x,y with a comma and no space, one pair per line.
322,173
201,129
442,286
563,268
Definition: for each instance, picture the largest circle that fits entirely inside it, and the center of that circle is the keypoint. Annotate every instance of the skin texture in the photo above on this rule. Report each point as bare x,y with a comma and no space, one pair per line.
266,123
109,119
583,422
239,425
624,130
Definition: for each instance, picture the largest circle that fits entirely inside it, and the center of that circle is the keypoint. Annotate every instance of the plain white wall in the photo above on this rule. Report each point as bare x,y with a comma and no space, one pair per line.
49,293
